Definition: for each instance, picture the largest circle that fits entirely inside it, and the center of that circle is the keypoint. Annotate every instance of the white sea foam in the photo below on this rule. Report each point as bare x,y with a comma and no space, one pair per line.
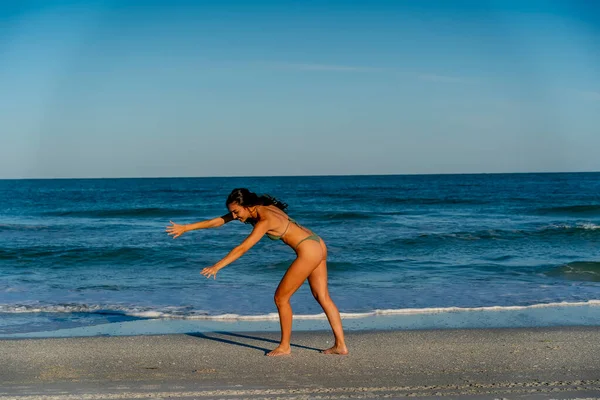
588,226
173,313
12,290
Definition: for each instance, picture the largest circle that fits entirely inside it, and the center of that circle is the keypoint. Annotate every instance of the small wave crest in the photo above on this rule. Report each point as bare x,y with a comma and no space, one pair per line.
577,271
22,227
431,201
104,309
584,226
69,256
337,215
440,238
148,212
186,313
587,229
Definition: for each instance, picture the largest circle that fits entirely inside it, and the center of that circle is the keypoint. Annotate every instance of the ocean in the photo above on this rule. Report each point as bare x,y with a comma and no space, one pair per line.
86,252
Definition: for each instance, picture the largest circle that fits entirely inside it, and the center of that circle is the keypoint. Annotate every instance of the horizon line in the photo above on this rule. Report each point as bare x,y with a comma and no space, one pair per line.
304,176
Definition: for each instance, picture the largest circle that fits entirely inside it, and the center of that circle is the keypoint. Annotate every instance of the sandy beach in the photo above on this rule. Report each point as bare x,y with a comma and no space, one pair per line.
479,363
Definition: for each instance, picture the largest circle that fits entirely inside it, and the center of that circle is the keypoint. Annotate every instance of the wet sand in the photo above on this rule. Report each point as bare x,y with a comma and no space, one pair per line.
541,363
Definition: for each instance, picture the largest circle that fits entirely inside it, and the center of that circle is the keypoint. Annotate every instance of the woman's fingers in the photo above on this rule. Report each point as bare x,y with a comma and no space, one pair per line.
175,229
208,272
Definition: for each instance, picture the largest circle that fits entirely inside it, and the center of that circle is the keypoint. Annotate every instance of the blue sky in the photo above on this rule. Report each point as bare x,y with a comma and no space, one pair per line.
241,88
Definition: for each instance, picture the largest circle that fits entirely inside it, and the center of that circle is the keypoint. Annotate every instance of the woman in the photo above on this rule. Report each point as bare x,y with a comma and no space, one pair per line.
267,216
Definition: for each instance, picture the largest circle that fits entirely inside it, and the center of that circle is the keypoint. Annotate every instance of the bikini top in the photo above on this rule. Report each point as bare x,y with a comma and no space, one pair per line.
275,237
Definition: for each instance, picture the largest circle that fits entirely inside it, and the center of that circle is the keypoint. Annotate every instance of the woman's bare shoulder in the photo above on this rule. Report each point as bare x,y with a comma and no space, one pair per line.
272,212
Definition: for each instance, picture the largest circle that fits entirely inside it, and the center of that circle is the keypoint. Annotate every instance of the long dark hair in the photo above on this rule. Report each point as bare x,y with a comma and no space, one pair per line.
246,198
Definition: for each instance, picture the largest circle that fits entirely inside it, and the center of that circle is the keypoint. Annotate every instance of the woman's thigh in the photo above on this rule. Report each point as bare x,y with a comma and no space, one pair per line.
309,258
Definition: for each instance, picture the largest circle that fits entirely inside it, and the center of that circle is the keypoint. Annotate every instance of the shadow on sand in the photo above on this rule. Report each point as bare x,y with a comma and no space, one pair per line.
221,339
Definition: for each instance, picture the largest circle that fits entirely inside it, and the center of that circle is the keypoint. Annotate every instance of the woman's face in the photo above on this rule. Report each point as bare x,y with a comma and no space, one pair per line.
240,213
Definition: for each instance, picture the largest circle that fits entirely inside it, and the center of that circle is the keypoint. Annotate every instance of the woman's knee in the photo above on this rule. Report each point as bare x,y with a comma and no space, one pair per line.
321,297
280,299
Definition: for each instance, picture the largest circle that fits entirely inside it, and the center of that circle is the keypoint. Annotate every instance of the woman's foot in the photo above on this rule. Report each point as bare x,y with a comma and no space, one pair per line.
280,351
339,350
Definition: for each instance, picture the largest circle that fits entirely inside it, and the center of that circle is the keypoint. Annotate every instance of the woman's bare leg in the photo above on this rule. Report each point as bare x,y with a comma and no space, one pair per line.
308,259
318,285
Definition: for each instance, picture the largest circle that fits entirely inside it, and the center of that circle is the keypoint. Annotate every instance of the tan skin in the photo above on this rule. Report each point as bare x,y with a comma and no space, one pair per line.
310,263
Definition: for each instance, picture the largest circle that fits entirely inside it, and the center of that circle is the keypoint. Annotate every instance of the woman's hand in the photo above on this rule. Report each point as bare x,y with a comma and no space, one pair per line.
176,230
210,271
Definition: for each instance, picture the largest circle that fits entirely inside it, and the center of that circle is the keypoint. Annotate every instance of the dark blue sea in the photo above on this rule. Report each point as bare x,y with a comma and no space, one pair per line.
76,252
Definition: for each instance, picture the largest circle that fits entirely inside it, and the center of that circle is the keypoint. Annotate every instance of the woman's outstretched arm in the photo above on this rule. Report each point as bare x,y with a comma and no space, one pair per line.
177,230
257,233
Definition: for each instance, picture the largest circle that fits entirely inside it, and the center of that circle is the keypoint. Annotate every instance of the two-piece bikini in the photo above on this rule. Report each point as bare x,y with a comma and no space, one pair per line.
312,236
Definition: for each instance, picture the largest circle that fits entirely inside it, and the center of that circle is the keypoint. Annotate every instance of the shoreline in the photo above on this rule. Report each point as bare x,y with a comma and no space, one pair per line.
539,316
500,362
